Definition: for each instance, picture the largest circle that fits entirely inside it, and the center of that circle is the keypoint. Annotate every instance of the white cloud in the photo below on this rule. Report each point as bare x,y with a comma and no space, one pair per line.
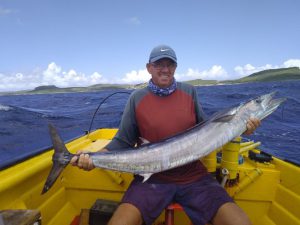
13,82
216,72
5,11
135,77
292,63
134,21
52,75
55,75
96,77
248,69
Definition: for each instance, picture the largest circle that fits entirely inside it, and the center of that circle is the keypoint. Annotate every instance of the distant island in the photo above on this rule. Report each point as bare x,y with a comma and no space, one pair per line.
282,74
46,87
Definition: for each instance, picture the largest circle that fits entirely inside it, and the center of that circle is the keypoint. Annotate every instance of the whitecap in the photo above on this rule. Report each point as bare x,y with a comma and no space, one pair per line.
4,108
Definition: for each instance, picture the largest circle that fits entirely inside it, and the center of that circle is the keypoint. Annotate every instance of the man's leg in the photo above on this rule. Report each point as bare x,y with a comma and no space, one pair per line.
143,203
230,214
126,214
202,199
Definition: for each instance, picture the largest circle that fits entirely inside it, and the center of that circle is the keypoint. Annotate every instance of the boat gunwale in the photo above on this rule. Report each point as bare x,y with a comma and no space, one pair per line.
9,163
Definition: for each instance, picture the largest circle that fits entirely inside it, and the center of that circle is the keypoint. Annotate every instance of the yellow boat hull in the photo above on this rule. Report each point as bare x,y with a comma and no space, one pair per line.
268,192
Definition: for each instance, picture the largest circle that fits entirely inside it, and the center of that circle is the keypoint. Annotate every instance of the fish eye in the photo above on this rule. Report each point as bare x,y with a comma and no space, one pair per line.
258,100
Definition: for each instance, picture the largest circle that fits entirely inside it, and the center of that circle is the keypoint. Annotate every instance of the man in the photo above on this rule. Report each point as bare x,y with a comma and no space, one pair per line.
162,109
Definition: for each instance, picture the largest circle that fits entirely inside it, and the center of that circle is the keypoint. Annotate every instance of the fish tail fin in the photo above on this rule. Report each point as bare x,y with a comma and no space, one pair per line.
60,158
146,176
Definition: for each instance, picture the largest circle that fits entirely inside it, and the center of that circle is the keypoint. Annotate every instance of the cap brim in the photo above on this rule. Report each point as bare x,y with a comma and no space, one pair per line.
162,57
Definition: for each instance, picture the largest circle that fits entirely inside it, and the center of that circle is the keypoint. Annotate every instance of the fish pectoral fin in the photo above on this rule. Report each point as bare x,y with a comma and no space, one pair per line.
226,118
146,176
144,141
224,115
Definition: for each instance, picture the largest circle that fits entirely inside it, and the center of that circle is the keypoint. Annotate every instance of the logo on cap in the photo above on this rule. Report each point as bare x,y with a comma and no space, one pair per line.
164,49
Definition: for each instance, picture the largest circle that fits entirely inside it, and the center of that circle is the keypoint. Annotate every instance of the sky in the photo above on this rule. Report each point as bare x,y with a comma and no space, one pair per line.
71,43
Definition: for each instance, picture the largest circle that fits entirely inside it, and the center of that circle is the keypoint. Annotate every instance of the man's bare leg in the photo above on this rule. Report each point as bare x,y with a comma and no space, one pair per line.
230,214
126,214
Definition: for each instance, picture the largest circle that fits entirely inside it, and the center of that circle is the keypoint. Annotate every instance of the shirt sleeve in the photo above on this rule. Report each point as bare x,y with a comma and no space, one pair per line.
128,133
200,115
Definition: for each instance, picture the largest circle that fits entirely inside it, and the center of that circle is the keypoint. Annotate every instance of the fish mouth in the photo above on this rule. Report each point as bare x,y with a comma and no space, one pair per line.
268,103
268,98
278,101
273,104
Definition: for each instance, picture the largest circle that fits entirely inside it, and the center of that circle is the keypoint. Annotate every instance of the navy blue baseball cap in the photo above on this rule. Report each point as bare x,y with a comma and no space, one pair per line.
162,51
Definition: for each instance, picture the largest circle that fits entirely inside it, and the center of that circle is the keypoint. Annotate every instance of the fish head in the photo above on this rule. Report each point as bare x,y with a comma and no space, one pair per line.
263,105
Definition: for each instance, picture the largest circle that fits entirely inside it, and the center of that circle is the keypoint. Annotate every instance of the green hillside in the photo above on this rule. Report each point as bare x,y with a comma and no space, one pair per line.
292,73
197,82
200,82
282,74
47,89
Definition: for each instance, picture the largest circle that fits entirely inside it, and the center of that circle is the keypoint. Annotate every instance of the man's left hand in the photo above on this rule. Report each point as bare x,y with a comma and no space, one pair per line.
252,124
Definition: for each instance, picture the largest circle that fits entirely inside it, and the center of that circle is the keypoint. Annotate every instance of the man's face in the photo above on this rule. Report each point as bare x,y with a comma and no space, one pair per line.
162,72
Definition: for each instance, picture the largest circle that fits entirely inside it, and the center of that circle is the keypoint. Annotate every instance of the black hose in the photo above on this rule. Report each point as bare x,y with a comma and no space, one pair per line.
118,92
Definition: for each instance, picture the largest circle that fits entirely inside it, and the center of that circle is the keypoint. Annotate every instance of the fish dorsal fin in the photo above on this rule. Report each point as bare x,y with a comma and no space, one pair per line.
146,176
224,115
144,141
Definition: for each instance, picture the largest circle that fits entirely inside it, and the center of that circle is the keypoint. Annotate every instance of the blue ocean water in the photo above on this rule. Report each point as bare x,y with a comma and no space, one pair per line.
24,118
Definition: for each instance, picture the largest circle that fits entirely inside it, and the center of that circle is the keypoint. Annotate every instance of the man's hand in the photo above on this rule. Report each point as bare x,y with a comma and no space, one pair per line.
83,161
252,124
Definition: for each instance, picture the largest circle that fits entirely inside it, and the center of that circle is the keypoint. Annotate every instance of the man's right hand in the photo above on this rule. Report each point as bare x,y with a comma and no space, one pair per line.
82,160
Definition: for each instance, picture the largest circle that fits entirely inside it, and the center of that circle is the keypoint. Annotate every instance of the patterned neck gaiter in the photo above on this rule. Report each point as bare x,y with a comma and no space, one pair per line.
162,91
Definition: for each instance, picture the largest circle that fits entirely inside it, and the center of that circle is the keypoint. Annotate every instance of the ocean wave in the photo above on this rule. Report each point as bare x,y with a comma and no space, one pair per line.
5,108
237,96
5,133
40,111
45,113
293,101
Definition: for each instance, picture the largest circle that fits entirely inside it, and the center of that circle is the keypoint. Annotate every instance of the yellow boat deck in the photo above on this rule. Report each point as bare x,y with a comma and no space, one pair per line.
271,197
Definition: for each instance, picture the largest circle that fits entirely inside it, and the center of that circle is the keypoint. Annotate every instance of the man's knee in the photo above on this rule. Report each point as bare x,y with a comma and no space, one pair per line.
126,214
231,214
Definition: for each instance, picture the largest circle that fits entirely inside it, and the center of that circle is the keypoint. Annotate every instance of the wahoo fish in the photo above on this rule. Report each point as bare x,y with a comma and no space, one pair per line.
175,151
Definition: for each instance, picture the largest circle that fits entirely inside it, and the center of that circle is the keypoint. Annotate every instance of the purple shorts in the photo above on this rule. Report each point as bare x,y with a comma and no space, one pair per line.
200,200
